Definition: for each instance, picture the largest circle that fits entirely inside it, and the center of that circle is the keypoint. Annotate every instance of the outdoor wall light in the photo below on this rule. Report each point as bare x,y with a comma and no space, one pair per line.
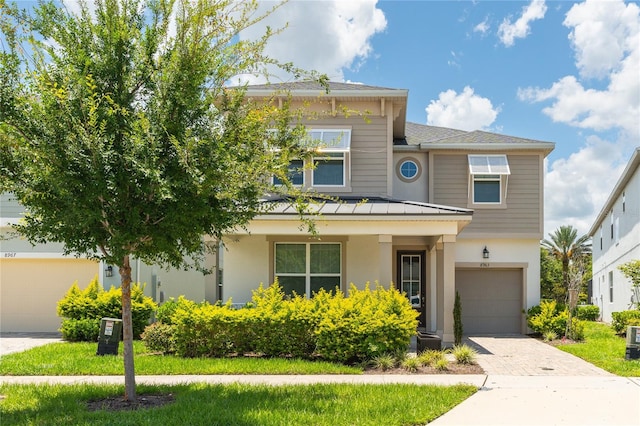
108,271
485,253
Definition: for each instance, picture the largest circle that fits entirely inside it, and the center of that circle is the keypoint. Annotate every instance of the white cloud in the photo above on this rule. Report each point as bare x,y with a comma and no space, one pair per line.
605,37
483,27
465,111
607,44
577,187
508,31
326,36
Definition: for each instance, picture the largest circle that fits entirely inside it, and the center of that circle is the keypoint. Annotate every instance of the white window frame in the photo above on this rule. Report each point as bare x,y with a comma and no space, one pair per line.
308,274
488,168
327,144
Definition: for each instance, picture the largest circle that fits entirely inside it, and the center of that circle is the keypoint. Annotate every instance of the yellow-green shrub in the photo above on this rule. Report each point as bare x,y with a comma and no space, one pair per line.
81,310
362,326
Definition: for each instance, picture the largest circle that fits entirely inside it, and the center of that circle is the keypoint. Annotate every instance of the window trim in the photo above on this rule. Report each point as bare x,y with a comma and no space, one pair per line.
399,165
319,152
481,167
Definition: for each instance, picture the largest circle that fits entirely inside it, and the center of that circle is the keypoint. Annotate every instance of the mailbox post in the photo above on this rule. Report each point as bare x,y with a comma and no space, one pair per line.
109,338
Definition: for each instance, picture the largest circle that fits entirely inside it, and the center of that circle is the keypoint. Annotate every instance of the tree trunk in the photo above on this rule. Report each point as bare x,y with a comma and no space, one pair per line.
127,331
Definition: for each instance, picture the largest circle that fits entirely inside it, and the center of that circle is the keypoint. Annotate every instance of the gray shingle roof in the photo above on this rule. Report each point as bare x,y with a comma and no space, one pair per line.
432,136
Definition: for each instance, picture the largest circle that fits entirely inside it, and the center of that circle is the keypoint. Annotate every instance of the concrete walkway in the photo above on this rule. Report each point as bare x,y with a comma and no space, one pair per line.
527,382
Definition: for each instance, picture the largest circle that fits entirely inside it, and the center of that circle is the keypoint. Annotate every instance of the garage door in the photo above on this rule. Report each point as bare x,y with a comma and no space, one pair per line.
31,288
491,300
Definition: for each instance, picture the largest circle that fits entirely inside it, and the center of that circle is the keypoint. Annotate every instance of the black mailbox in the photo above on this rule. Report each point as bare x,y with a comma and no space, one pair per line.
109,338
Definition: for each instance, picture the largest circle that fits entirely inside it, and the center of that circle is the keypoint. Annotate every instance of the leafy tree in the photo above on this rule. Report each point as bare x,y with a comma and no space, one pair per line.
565,245
121,137
551,278
631,270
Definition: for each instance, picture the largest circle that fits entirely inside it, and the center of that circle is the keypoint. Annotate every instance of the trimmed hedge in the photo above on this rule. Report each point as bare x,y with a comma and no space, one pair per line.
331,326
81,310
621,320
587,312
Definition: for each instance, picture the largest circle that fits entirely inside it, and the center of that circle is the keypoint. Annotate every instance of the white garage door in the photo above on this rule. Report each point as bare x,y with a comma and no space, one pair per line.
491,300
30,290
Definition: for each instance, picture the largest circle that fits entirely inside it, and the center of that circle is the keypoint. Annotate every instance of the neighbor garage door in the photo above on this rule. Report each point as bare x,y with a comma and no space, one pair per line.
31,288
491,300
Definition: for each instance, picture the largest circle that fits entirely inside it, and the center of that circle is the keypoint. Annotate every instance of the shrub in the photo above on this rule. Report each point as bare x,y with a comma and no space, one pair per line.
364,325
587,312
94,303
549,336
576,329
411,364
547,317
80,330
457,320
441,364
464,354
159,337
431,357
384,362
620,320
367,324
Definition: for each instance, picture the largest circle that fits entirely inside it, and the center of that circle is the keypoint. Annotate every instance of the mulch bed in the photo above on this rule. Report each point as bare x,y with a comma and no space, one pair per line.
452,368
118,403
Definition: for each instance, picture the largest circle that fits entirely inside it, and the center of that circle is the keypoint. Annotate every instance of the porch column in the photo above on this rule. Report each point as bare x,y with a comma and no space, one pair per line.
446,287
385,261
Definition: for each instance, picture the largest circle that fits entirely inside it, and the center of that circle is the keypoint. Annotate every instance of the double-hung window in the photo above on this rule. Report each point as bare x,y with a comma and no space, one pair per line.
330,162
488,179
305,268
331,158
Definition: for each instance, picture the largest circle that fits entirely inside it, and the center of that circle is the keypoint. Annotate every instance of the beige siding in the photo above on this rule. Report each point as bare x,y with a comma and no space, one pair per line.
369,147
524,194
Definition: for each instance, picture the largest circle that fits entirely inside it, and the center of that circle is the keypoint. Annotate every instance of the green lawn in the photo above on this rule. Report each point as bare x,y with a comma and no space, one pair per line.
72,359
605,350
199,404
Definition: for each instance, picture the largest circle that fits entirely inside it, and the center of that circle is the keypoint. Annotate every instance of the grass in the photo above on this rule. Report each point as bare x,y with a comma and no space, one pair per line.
604,349
59,359
198,404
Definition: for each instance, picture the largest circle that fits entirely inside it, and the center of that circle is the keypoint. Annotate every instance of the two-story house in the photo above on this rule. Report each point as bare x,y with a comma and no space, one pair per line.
444,210
616,240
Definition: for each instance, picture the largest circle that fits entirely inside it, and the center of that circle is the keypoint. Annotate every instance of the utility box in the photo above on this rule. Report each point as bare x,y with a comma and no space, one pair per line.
633,343
428,341
109,338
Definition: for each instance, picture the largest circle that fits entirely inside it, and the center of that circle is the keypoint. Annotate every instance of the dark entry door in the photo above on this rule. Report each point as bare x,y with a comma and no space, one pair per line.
411,280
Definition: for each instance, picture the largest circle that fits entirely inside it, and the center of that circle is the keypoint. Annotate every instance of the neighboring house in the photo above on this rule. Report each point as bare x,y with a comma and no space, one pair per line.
616,240
445,210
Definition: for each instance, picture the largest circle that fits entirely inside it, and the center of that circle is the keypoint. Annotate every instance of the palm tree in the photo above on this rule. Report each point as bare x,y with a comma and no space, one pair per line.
565,245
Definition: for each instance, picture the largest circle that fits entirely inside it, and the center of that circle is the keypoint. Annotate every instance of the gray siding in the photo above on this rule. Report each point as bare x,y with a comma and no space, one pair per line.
9,206
524,193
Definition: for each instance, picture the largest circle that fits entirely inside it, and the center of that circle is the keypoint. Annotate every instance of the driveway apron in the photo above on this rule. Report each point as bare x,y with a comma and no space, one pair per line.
532,383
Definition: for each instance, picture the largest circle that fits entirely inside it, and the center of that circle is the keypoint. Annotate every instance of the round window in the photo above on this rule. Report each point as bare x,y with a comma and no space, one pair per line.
408,169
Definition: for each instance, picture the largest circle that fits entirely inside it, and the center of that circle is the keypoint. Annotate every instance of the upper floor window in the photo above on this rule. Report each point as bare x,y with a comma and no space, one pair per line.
331,160
488,179
408,169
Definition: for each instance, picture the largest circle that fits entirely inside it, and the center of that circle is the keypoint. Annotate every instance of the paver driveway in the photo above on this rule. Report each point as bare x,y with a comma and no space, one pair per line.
519,355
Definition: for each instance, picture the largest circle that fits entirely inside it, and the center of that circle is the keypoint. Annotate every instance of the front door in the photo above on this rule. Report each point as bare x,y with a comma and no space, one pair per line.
411,280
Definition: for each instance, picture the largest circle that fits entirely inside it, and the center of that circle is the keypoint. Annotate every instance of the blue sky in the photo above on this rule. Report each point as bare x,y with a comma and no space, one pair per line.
560,71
